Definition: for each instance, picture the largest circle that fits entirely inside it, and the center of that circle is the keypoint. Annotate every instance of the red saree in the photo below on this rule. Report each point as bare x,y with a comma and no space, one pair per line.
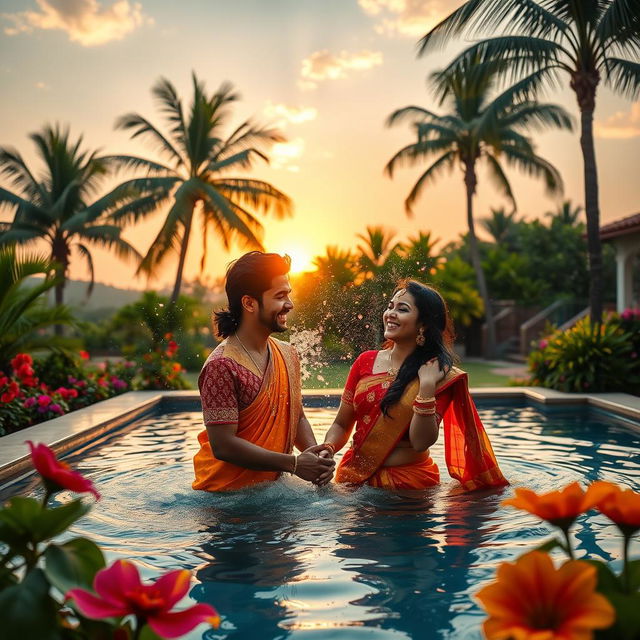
468,453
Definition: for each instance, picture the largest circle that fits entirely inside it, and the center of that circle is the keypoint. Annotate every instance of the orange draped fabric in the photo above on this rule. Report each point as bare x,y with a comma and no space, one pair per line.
270,421
468,453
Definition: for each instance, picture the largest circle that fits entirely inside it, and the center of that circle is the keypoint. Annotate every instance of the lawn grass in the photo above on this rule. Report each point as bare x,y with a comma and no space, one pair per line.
334,375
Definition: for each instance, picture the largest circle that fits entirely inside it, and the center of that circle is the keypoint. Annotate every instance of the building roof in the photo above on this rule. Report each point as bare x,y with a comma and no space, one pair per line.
623,227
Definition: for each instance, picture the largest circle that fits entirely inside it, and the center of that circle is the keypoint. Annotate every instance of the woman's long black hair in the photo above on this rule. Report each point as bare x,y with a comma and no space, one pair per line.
434,318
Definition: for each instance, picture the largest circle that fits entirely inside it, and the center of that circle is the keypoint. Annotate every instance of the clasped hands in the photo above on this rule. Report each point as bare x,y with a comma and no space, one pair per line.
316,465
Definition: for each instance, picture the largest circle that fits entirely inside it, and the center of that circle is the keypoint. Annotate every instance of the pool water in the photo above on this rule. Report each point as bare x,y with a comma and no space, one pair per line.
288,560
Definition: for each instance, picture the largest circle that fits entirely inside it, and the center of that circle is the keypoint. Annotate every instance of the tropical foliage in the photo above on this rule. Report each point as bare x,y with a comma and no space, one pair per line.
24,314
193,176
541,43
481,124
63,590
348,293
60,206
590,357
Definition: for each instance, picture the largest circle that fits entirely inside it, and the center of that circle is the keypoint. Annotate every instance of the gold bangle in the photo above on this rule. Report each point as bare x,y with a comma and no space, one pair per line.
424,412
419,398
295,465
328,445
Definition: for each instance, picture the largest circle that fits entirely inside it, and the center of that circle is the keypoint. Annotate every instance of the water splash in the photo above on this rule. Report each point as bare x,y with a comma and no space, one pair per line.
308,344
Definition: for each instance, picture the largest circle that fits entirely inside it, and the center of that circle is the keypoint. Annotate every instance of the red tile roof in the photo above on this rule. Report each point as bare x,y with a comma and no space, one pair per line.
622,227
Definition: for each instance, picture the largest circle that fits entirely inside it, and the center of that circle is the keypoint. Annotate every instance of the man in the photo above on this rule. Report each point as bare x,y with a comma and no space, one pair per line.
250,387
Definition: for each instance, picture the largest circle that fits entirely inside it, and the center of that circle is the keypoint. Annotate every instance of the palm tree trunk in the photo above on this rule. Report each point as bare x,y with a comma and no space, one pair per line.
470,182
592,209
183,256
60,255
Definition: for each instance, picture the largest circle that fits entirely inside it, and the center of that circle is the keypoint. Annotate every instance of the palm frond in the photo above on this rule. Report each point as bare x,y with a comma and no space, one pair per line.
443,163
86,254
624,77
535,166
140,126
257,194
499,178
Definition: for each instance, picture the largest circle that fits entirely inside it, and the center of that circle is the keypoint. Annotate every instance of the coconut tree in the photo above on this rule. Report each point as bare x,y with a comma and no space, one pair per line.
60,205
549,42
566,214
376,245
23,309
501,226
194,175
337,266
478,127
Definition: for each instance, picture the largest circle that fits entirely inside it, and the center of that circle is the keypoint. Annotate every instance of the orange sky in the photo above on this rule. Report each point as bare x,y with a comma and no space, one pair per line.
329,73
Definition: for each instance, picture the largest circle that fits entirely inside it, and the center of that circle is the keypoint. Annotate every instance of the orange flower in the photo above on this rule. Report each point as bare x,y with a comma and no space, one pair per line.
620,505
560,508
532,600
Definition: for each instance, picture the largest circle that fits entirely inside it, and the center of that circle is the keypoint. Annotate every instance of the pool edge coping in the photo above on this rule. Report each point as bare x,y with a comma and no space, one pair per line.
83,425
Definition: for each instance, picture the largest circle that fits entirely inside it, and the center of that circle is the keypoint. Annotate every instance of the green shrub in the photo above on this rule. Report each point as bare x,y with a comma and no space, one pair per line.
589,357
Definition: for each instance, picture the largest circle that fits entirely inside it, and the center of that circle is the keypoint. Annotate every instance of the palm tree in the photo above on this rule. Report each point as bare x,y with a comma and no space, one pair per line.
195,178
566,214
501,226
59,206
336,266
418,254
581,40
23,311
477,127
375,248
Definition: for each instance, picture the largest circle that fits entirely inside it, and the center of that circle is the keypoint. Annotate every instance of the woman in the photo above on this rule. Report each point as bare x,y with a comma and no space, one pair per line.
397,398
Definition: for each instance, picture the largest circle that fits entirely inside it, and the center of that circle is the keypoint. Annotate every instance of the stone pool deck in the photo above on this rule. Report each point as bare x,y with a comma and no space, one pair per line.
80,427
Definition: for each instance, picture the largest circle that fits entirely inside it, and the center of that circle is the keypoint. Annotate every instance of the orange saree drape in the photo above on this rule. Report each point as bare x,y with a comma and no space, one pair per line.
468,453
270,421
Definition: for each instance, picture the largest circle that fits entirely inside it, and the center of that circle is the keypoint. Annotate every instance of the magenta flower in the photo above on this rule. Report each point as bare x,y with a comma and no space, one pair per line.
29,402
56,408
57,475
119,592
44,401
543,344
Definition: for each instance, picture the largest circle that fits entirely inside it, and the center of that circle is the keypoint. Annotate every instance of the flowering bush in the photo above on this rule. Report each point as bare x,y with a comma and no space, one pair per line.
532,599
64,590
36,391
590,357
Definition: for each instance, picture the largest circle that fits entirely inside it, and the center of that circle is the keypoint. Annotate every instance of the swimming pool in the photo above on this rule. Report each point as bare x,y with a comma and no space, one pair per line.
292,561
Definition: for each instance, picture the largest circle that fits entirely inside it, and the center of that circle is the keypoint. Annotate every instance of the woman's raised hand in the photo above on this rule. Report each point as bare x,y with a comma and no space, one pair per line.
430,374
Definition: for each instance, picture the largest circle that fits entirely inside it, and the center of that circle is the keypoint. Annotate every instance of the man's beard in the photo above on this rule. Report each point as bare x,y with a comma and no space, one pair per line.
271,322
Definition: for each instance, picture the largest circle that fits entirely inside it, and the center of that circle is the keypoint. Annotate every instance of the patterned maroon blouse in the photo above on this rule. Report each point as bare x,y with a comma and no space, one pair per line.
226,387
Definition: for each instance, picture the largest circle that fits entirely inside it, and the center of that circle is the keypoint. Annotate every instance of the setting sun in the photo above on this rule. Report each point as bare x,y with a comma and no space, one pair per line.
301,259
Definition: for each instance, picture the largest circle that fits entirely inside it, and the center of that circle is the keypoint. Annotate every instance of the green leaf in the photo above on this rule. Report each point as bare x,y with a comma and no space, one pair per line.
18,521
27,610
52,522
149,634
608,582
627,625
73,564
634,574
550,545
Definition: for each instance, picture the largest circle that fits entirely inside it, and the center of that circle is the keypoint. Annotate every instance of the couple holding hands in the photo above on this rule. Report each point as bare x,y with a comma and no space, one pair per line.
397,397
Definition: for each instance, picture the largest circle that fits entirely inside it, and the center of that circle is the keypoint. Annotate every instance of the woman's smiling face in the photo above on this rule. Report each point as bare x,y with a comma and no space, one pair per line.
400,318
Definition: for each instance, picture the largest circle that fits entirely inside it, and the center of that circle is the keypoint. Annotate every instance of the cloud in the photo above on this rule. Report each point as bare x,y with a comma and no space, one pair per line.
409,18
284,154
87,22
623,124
323,65
284,115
